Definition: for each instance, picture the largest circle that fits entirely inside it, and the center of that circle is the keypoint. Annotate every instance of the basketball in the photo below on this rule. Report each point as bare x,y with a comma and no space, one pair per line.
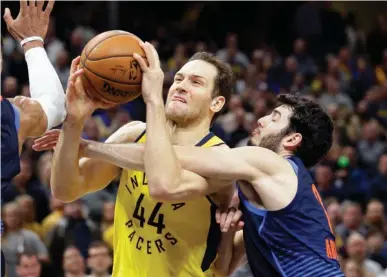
111,74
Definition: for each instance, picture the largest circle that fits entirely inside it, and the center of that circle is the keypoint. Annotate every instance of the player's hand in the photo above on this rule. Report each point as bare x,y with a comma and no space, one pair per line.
153,76
31,21
230,219
79,106
49,140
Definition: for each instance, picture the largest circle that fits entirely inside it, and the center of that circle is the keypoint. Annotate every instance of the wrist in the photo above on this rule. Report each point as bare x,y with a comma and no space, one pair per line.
154,100
32,44
73,124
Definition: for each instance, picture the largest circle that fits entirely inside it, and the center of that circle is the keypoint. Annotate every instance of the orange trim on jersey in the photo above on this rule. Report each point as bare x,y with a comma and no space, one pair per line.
318,197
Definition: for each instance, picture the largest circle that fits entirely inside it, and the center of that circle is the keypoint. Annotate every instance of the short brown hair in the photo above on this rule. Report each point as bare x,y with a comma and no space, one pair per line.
224,81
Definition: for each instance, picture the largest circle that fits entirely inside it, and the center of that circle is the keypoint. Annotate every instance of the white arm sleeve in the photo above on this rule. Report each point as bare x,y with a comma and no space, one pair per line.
45,86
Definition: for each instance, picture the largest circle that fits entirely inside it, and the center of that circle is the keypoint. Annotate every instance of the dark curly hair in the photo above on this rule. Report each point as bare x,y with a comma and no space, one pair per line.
315,126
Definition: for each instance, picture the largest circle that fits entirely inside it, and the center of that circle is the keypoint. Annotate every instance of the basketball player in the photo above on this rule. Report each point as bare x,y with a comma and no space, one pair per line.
23,117
155,234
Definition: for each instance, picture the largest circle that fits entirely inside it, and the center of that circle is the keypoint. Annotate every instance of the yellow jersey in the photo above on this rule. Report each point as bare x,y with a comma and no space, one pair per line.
163,239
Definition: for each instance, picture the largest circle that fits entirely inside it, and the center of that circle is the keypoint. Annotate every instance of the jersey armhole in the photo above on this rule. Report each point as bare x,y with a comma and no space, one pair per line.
140,136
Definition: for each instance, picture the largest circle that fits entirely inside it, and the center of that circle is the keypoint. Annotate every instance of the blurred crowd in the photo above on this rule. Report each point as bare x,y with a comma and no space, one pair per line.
44,237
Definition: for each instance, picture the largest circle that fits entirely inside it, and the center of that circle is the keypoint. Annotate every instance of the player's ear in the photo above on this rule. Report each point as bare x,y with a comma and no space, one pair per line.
217,103
292,141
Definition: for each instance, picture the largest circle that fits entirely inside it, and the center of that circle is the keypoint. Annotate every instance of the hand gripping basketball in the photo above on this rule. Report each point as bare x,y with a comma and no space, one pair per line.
78,105
153,76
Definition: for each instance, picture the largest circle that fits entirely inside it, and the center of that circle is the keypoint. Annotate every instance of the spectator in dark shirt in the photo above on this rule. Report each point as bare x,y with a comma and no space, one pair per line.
379,183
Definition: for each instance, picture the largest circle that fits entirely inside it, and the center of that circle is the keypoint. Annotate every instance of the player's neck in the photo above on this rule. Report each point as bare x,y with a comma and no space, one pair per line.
189,134
285,153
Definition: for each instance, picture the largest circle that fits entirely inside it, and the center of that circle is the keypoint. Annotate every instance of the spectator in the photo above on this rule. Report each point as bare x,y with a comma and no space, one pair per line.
370,147
306,64
28,214
178,59
356,250
233,55
10,87
334,214
107,224
48,224
354,180
28,265
100,259
374,217
352,220
324,179
334,96
333,211
378,183
17,240
73,262
26,184
73,229
377,247
62,67
90,130
352,269
44,169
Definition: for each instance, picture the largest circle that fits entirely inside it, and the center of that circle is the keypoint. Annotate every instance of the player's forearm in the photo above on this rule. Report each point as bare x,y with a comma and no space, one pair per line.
66,181
161,164
45,86
223,164
128,156
225,253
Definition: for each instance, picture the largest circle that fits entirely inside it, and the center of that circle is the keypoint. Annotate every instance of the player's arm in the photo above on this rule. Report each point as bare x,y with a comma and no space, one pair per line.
231,253
264,169
160,161
73,177
131,156
45,109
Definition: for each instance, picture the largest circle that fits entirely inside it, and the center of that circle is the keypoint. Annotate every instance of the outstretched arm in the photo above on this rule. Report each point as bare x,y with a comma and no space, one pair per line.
45,109
271,176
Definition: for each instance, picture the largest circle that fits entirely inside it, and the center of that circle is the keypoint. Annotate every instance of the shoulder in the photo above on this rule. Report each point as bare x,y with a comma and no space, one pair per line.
127,133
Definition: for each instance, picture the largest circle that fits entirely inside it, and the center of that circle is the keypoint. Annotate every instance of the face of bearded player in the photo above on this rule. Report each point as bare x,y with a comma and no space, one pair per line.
272,131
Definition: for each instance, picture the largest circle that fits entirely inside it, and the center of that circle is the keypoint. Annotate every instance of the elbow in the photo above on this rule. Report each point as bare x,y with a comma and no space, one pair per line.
63,194
161,190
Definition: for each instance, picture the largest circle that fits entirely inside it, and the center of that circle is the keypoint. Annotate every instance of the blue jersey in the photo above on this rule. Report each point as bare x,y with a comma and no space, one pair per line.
296,241
10,160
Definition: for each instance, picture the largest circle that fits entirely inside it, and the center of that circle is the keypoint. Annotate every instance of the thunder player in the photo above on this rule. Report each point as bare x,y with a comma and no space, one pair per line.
23,117
156,233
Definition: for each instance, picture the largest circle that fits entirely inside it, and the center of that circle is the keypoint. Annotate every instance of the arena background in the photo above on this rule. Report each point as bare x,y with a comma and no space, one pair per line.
333,52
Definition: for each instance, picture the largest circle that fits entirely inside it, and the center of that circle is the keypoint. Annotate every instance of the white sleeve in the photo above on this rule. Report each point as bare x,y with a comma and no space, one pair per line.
45,86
